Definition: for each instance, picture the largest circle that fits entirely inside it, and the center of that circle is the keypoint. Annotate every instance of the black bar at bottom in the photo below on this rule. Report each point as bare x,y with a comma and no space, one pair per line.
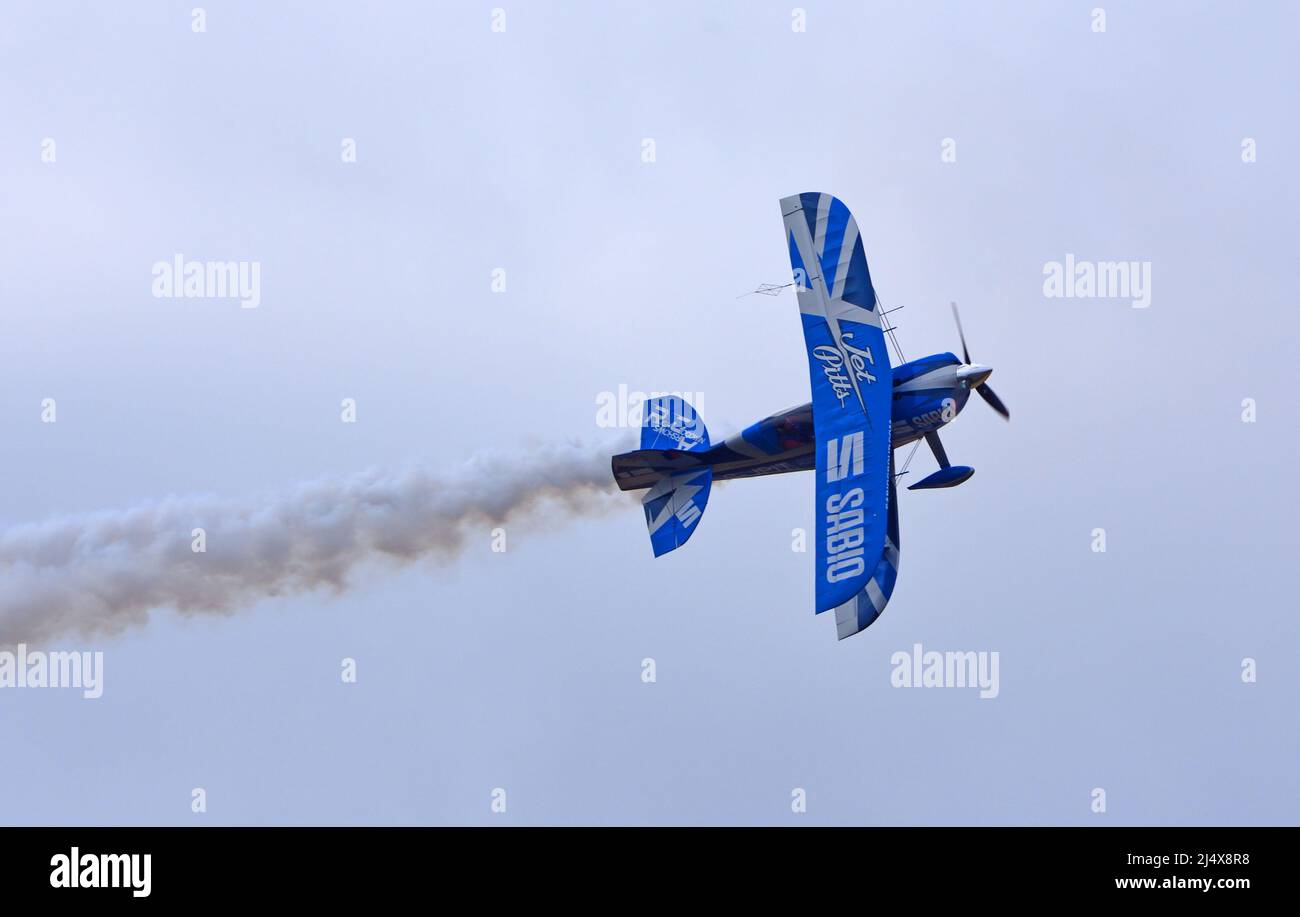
333,865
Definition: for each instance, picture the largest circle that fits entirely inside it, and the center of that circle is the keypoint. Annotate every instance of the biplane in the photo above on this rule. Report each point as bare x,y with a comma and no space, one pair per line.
863,408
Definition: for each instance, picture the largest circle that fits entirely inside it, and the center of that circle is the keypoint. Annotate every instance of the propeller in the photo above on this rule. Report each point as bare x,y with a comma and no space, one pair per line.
982,387
993,400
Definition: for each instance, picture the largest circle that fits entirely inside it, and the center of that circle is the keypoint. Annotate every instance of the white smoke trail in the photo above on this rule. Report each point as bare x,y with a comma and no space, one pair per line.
105,571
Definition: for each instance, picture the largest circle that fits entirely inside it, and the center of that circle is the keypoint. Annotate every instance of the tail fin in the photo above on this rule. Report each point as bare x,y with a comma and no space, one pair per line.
669,462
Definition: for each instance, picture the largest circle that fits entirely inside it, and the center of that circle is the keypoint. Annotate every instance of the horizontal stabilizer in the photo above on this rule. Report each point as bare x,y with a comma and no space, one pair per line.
669,422
673,508
673,463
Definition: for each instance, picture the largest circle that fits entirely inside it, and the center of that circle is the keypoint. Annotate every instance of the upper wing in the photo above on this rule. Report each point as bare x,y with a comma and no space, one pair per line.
852,388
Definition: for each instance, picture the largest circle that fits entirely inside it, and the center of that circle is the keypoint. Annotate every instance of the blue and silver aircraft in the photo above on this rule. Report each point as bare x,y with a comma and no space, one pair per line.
862,409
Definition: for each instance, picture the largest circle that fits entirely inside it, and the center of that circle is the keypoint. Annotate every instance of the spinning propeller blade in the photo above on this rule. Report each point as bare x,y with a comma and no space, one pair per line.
994,401
983,388
965,354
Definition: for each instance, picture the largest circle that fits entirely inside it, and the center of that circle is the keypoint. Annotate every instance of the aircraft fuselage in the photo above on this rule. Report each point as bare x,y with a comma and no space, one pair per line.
928,393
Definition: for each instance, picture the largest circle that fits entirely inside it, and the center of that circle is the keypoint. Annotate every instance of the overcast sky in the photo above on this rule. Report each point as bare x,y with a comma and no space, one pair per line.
523,150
